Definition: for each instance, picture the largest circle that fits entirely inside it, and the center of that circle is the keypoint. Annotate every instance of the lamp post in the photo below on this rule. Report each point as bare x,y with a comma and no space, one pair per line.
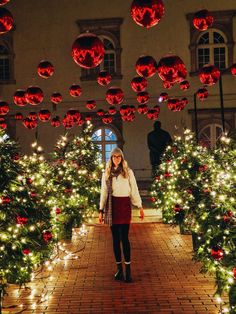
222,103
195,115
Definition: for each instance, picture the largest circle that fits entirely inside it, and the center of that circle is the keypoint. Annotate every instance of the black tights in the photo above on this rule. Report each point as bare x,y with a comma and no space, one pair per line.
120,233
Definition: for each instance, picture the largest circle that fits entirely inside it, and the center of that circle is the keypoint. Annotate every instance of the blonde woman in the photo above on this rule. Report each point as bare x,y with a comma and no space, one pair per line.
118,191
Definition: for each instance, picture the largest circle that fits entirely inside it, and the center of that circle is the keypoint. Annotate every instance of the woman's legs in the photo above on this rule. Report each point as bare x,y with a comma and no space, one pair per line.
115,229
124,229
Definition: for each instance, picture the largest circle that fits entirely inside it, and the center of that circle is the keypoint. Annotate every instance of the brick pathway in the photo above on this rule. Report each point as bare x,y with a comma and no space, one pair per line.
166,280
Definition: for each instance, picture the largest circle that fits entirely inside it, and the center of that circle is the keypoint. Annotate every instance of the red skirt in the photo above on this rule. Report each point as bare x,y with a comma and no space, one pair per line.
121,210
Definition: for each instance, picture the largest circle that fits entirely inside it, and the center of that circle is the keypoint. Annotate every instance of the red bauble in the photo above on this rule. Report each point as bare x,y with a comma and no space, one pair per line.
233,69
172,69
202,20
142,109
81,122
167,85
21,220
112,110
128,118
143,97
88,50
106,119
6,21
100,112
75,90
44,115
163,97
4,108
157,108
146,66
132,109
18,116
34,95
209,74
125,110
217,253
19,98
29,181
55,122
57,211
147,13
26,251
56,98
3,124
178,208
139,84
16,157
114,96
67,123
47,236
33,116
202,93
152,114
91,104
184,101
30,124
45,69
234,272
173,104
6,199
73,115
184,85
33,194
104,78
202,168
2,2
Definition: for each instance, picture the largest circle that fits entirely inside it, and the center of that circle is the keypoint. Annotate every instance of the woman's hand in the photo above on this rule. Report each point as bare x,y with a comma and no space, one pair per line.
141,213
100,217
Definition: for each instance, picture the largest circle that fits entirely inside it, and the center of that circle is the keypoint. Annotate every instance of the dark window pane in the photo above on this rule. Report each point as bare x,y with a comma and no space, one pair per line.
219,58
108,44
204,39
218,39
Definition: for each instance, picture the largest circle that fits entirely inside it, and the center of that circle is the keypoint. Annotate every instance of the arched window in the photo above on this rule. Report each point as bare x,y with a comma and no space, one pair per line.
106,139
4,64
210,135
212,49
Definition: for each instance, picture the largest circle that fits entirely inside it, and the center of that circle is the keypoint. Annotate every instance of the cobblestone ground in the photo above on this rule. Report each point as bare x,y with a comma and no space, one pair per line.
165,279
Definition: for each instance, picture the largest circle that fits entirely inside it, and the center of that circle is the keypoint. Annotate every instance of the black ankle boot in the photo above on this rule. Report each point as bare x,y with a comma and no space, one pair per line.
128,277
119,274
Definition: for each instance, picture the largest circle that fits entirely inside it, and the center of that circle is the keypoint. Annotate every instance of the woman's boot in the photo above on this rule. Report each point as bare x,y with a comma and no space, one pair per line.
119,274
128,277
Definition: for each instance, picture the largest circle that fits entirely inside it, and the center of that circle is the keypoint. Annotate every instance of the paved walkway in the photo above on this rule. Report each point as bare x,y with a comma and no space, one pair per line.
166,280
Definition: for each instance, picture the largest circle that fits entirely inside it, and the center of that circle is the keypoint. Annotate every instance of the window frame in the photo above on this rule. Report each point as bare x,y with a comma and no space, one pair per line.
6,40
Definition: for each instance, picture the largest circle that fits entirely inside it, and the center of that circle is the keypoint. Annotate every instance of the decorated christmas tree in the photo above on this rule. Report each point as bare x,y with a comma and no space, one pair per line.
77,179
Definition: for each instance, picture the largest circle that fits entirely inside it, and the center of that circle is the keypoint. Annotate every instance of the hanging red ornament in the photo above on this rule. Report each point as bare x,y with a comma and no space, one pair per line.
157,108
91,104
106,119
19,98
34,95
233,69
73,115
81,122
128,118
202,93
2,2
47,236
202,20
142,109
75,90
228,215
88,50
26,251
30,124
143,97
3,124
139,84
33,116
172,69
114,96
174,104
67,123
217,253
21,220
16,157
146,66
56,98
167,85
132,109
125,110
18,116
45,69
4,108
5,199
184,85
57,211
33,194
88,118
112,110
104,78
163,97
6,21
55,122
184,101
100,112
152,114
28,181
147,13
178,208
203,168
234,272
209,74
44,115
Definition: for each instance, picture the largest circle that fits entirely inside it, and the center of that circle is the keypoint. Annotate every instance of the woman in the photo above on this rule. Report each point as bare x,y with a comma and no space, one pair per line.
119,189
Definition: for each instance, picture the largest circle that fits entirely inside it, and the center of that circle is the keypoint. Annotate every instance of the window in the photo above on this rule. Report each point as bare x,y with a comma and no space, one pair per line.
212,49
214,46
108,31
4,64
106,139
210,135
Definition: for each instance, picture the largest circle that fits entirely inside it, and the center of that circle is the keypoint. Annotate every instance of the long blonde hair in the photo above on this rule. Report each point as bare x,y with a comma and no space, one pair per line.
124,164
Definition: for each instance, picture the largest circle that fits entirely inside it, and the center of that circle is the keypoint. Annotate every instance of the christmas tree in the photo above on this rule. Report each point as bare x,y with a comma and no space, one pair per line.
76,172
